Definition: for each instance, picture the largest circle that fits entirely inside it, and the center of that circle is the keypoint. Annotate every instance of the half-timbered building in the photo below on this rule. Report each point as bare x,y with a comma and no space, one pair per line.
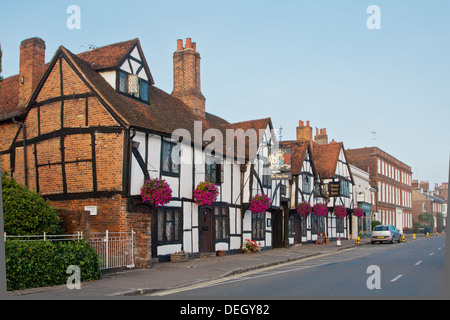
86,130
332,183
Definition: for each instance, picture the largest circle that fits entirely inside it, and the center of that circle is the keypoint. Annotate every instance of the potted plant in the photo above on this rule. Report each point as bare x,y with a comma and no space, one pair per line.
251,246
320,209
205,193
304,209
156,191
259,203
340,211
179,256
358,212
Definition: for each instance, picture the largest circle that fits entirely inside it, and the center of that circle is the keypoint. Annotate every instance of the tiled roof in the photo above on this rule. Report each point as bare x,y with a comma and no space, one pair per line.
109,56
326,157
299,148
9,97
163,114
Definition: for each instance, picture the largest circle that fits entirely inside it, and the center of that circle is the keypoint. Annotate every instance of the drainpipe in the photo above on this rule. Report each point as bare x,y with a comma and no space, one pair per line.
22,125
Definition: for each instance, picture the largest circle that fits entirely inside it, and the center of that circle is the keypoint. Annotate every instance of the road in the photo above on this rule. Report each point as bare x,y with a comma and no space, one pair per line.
413,268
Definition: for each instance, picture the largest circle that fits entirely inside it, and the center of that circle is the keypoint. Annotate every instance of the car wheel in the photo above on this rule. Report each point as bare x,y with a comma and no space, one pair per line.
392,241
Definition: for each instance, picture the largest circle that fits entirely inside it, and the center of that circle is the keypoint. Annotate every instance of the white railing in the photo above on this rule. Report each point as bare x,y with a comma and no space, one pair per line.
115,249
44,237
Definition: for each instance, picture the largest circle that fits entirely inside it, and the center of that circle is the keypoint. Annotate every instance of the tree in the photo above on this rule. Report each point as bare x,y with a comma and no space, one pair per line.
25,212
439,222
427,218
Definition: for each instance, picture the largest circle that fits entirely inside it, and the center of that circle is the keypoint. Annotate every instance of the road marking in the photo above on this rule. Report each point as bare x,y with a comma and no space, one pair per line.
418,262
431,253
397,277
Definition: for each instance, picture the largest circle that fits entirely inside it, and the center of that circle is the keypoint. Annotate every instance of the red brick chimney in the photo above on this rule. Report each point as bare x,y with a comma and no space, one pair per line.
186,76
32,67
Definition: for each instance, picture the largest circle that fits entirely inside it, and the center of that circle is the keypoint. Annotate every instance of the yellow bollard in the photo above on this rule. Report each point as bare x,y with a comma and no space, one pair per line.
428,234
414,235
358,240
403,238
437,234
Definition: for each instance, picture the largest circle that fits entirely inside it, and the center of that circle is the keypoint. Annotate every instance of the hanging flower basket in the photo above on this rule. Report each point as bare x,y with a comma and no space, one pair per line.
259,203
156,191
205,193
358,212
320,209
304,209
340,211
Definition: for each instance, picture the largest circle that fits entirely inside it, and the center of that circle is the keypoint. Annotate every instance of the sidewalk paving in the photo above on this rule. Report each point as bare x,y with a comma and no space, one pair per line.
167,275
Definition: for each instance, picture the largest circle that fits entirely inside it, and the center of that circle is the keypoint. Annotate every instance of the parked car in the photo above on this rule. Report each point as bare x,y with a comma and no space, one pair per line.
382,233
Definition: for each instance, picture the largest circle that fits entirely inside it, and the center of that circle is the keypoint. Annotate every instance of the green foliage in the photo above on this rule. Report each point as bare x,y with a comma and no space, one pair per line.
439,222
427,218
375,223
32,264
26,212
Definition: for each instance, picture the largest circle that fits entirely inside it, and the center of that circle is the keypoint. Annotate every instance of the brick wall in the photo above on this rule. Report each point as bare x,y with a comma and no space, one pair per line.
75,169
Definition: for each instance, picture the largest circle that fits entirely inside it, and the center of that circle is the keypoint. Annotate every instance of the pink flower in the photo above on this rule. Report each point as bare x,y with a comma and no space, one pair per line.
259,203
358,212
304,209
206,193
156,191
340,211
320,209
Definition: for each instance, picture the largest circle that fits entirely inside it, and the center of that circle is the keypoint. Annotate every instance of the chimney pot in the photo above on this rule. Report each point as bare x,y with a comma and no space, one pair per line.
188,43
180,44
186,78
300,123
307,123
194,46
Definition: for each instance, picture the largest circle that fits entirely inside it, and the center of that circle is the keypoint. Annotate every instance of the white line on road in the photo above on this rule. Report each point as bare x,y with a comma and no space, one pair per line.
397,277
418,262
431,253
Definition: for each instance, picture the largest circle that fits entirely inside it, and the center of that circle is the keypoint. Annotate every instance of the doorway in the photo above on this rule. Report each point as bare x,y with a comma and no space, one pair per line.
205,230
277,229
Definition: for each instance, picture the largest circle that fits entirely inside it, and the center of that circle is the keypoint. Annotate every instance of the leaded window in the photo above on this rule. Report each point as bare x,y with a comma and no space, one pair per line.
170,225
221,223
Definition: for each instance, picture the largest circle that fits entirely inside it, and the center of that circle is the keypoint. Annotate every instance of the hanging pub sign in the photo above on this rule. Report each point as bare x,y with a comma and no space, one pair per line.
280,164
334,188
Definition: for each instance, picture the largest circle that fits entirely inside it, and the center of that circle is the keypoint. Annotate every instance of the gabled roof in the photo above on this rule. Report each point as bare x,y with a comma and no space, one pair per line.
299,148
326,157
112,56
163,114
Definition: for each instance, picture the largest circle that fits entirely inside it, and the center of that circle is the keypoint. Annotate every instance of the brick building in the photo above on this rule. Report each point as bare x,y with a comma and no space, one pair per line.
86,130
393,181
425,200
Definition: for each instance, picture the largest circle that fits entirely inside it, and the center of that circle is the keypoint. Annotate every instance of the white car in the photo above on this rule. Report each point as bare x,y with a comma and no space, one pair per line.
382,233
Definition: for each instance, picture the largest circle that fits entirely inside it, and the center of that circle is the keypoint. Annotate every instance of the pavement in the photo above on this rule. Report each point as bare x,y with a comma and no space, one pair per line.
169,275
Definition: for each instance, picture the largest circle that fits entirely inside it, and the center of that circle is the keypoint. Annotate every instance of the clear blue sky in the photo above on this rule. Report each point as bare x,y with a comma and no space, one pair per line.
289,60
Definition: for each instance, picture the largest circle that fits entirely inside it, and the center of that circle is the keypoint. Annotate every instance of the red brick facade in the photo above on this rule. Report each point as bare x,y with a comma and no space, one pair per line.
392,179
74,149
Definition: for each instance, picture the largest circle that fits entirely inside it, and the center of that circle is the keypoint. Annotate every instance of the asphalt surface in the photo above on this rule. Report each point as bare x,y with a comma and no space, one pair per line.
167,275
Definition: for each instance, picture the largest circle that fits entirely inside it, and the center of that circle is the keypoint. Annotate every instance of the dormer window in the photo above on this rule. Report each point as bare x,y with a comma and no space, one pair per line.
132,85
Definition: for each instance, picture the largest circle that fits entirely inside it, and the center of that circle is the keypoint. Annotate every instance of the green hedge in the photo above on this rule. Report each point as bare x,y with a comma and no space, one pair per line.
33,264
25,212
